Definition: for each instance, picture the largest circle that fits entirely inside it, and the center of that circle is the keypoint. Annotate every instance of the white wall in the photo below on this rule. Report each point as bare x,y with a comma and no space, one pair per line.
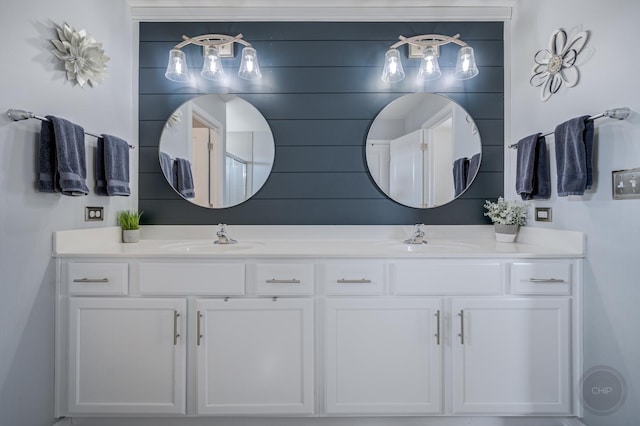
31,78
608,79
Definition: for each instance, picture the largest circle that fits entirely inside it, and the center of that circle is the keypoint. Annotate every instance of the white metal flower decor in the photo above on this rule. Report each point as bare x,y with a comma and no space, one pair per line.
84,60
557,65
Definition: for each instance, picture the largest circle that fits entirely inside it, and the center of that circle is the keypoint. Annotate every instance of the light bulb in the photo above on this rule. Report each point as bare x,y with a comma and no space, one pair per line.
392,70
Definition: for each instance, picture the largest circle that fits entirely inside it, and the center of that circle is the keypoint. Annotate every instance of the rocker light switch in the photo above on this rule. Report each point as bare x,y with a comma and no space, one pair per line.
543,214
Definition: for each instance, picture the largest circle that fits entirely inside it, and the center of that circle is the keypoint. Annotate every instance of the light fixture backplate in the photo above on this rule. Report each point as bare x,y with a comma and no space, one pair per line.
224,50
416,52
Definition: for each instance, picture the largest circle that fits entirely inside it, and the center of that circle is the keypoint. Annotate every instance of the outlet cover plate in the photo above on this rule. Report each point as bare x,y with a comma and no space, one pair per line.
93,214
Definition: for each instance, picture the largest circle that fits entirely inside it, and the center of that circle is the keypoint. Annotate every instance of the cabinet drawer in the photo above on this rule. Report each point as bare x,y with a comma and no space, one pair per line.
97,278
448,278
275,279
541,278
354,279
205,279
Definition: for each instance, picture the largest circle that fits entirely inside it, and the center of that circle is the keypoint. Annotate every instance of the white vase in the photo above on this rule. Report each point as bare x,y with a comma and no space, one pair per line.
505,233
130,235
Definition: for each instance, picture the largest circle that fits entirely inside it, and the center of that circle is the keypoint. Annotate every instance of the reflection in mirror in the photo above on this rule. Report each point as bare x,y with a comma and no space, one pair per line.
216,150
423,150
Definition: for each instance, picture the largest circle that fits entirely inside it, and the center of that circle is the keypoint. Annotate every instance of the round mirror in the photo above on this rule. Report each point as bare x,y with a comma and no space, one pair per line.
216,150
423,150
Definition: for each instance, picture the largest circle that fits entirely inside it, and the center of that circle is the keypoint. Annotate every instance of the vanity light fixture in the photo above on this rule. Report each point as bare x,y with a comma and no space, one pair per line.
427,48
214,47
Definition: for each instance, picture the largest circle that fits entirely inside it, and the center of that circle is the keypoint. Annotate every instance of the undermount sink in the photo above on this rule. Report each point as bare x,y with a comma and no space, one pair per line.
431,247
205,247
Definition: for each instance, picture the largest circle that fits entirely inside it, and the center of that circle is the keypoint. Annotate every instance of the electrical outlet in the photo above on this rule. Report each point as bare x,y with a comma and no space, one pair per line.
93,214
626,184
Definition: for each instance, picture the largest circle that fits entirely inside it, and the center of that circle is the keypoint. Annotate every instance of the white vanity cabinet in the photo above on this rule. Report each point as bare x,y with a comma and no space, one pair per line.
296,336
126,355
255,356
511,355
383,356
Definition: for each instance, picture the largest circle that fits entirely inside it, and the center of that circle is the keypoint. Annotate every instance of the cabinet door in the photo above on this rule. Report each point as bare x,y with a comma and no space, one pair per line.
255,356
383,356
126,355
511,356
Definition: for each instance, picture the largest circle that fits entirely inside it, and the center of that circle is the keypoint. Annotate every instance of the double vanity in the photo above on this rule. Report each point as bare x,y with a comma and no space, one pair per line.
321,321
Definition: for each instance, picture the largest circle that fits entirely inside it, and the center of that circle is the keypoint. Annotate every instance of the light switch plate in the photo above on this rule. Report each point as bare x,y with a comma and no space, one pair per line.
543,214
625,184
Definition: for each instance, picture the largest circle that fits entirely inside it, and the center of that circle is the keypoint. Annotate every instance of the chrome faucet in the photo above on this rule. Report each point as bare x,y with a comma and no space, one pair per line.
418,236
223,237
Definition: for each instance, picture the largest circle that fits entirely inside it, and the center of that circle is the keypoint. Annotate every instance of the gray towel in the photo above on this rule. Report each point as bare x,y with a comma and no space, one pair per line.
112,166
47,167
70,156
166,164
533,177
474,165
460,170
574,152
184,178
542,176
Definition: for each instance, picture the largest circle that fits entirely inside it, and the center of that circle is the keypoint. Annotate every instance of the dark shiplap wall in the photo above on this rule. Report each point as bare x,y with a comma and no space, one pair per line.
320,92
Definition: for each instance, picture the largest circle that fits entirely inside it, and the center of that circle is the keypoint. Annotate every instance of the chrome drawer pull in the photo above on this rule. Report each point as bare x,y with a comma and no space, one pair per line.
91,280
546,280
361,281
274,281
461,334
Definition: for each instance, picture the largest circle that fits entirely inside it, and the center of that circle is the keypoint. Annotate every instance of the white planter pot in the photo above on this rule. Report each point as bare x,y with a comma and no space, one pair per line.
130,235
505,233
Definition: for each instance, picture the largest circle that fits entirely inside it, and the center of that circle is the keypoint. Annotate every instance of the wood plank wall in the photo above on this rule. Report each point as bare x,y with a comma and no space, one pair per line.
320,92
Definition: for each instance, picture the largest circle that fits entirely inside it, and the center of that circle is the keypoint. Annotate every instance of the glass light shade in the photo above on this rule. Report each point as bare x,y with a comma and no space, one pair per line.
392,70
212,67
429,67
249,67
177,67
466,65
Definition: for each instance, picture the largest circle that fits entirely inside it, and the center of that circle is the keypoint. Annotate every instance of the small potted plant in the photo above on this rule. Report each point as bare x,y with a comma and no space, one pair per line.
129,221
507,216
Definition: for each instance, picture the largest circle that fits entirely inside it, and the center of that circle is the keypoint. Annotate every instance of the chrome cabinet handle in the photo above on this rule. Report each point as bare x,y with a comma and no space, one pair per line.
461,334
438,327
91,280
547,280
175,327
199,330
361,281
275,281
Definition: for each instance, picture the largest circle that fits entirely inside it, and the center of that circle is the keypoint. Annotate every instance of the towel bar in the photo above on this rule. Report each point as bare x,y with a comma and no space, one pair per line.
20,114
616,113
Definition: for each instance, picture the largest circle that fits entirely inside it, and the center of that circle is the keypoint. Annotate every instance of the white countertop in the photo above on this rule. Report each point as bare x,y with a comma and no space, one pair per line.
318,241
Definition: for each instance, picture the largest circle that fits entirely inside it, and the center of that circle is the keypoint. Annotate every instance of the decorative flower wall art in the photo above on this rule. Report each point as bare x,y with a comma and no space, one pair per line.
556,65
84,60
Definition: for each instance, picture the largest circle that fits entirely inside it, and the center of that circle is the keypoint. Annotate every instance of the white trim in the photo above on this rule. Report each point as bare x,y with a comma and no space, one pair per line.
508,189
327,10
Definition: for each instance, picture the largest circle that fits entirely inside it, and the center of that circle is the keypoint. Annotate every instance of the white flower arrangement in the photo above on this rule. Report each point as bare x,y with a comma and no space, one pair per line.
84,60
505,212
